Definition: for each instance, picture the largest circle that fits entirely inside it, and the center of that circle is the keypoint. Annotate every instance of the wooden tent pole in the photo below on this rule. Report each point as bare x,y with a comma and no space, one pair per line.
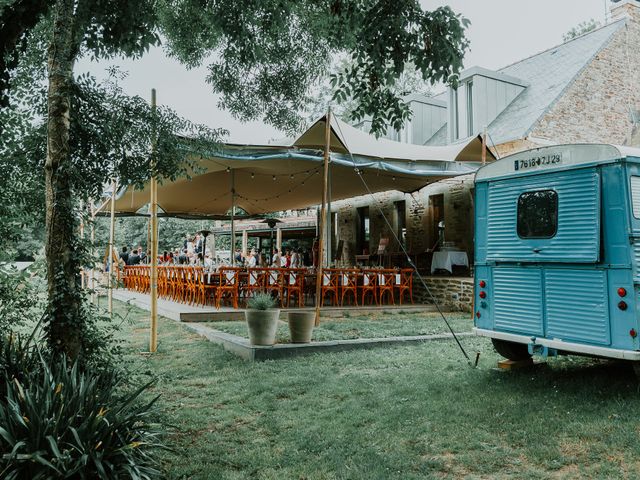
323,213
112,232
93,252
233,220
153,334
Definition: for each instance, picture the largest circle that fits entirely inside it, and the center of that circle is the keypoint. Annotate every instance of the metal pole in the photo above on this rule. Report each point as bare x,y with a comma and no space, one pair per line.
233,223
153,334
112,232
329,220
323,214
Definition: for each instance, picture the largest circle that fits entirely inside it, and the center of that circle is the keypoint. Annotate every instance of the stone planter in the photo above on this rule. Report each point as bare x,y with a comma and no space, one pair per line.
301,326
262,325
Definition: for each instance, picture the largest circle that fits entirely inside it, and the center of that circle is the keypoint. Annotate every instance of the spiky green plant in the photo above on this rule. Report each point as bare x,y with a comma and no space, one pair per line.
261,301
62,422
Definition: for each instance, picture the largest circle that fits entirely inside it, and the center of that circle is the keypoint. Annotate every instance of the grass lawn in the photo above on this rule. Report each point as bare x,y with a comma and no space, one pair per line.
407,412
366,326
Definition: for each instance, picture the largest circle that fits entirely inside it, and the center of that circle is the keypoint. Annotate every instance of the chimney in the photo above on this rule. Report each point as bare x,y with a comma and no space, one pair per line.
625,9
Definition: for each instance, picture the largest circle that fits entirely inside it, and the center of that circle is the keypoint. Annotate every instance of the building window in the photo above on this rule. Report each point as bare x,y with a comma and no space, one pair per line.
364,230
456,125
538,214
469,108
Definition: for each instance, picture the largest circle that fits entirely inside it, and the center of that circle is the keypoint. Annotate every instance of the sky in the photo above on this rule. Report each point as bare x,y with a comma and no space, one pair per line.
501,32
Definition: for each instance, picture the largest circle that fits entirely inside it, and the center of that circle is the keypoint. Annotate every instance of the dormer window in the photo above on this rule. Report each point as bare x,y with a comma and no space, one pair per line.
481,95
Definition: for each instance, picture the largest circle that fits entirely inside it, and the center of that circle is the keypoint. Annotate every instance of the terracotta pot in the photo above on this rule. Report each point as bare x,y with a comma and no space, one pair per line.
301,326
262,325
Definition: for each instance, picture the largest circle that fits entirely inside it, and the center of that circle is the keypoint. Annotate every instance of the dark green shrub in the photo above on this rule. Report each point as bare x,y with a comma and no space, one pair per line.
61,422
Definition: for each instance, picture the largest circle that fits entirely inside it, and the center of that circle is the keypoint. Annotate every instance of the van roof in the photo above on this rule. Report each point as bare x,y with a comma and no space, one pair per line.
554,158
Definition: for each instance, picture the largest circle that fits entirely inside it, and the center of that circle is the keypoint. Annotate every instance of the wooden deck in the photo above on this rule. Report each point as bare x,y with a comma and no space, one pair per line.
191,313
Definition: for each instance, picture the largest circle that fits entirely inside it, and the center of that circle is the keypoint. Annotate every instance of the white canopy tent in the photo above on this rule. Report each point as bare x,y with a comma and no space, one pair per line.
270,178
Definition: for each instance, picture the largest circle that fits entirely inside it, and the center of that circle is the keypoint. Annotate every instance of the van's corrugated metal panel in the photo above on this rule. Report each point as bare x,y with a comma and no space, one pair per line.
636,259
578,236
635,194
518,300
577,306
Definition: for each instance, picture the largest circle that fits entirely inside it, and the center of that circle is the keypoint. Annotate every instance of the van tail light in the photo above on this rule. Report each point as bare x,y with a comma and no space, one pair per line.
633,333
622,305
622,292
483,294
482,284
478,314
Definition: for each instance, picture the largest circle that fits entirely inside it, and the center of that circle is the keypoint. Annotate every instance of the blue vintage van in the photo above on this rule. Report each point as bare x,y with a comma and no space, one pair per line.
557,252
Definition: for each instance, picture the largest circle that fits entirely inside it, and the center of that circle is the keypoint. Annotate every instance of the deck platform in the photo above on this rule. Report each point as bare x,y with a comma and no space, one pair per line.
191,313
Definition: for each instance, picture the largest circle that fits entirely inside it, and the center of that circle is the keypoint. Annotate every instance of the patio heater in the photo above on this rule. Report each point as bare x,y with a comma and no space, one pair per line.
205,234
272,223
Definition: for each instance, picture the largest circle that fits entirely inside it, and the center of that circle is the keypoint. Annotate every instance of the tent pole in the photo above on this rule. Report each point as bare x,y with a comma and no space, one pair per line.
153,334
329,219
233,221
112,232
323,214
93,253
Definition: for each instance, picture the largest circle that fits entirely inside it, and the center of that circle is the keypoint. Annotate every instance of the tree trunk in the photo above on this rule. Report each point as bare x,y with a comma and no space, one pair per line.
65,323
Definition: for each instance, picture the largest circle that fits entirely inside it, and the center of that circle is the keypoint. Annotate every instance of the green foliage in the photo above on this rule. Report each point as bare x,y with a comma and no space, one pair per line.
19,298
264,55
63,422
581,29
261,301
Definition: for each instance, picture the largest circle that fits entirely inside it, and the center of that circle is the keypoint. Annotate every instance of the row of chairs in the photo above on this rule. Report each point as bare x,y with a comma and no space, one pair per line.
192,285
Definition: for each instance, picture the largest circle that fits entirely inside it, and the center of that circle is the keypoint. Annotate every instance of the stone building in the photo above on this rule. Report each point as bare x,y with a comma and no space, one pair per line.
584,90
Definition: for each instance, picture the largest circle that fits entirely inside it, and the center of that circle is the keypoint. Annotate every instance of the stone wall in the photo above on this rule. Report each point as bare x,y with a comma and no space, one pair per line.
600,105
458,217
451,293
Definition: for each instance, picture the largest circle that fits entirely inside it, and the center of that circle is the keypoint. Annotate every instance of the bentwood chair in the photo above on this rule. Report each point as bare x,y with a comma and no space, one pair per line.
275,283
295,286
404,285
330,285
386,281
349,285
369,286
228,287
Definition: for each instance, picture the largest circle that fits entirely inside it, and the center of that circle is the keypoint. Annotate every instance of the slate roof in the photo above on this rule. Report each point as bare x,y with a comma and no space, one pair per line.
548,74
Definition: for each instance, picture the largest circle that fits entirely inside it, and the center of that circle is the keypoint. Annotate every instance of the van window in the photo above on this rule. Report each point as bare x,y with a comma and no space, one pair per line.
538,214
635,195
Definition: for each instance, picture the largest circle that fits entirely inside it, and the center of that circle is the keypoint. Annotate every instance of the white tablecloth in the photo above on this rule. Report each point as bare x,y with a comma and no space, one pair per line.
445,260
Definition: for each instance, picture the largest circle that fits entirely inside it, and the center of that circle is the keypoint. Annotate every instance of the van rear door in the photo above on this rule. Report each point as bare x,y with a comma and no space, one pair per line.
553,217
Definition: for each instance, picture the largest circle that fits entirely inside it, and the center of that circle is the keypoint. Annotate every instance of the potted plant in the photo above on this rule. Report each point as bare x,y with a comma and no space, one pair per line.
262,319
301,325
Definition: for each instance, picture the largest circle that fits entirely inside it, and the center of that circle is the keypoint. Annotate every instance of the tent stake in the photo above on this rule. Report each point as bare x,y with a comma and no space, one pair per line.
153,334
323,213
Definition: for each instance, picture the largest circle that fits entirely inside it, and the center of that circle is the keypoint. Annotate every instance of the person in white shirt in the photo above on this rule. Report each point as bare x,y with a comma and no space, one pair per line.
251,260
275,261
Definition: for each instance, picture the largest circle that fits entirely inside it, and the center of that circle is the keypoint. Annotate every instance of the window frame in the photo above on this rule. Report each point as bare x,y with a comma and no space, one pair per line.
557,208
635,212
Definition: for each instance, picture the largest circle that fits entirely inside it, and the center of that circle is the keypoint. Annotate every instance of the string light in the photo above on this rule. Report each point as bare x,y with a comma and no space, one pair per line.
228,169
253,175
291,176
393,178
274,178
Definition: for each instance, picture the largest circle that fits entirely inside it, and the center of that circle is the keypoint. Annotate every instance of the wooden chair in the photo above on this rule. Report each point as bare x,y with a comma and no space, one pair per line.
404,284
275,283
190,283
228,287
349,284
330,285
369,286
256,280
386,282
295,286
